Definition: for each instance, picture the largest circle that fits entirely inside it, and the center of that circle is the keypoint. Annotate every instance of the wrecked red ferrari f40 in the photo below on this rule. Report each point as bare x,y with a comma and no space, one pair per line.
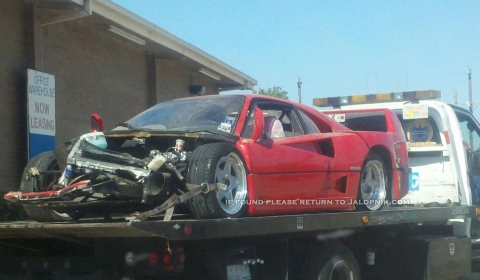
215,157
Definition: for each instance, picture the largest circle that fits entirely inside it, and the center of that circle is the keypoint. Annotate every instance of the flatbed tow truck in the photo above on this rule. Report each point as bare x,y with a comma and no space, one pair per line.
430,238
395,243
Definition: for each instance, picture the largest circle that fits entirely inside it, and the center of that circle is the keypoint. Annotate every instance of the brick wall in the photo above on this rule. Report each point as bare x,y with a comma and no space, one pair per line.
96,72
173,80
12,93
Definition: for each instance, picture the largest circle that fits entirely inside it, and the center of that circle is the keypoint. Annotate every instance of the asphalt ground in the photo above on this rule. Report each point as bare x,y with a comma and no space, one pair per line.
473,276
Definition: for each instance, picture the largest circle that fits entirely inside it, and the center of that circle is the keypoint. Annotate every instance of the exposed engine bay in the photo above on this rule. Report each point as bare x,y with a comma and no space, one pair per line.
128,169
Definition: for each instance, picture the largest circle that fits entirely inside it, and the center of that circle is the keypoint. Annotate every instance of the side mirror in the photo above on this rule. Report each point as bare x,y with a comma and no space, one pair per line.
96,123
258,125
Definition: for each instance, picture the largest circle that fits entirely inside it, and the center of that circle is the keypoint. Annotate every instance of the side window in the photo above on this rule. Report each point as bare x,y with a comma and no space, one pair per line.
470,132
280,121
273,127
247,131
309,124
471,141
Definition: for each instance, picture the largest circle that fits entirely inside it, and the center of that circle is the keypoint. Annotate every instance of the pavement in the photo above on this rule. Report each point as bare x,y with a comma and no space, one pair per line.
473,276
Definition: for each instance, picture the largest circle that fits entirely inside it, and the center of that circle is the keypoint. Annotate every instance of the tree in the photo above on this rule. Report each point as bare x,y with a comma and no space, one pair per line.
273,91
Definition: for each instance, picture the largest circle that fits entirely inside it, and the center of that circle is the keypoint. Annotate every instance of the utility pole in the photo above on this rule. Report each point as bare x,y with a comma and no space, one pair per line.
455,97
470,105
299,83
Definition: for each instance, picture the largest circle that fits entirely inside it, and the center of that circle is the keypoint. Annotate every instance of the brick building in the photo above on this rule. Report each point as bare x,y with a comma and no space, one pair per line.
105,60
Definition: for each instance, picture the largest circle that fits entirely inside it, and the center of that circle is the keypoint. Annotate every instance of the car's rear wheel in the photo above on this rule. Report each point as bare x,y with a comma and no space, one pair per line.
218,163
43,162
372,190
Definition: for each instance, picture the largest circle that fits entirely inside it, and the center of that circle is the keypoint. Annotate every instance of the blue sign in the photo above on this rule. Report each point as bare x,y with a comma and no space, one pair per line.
41,112
40,143
413,181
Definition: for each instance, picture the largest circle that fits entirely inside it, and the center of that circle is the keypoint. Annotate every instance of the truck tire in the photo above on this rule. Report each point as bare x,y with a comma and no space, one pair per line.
43,162
372,190
218,163
330,262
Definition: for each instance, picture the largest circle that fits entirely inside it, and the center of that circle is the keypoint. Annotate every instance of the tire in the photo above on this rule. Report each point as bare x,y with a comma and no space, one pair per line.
43,162
372,190
334,262
212,163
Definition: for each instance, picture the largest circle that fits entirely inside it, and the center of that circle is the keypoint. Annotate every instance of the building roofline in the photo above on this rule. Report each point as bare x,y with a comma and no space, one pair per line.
147,29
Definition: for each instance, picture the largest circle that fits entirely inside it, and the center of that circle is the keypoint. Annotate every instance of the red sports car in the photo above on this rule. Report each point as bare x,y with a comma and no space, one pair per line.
218,156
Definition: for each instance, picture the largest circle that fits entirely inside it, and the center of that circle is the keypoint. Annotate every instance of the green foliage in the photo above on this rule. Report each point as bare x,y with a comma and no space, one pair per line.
10,211
273,91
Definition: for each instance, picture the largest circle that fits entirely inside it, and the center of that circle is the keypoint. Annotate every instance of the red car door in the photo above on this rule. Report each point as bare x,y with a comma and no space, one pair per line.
301,172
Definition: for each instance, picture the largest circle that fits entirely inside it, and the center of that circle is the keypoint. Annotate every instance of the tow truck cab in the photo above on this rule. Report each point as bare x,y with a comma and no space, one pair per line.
440,139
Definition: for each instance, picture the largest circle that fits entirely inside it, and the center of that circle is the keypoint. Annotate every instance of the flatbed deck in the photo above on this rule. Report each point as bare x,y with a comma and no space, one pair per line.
189,229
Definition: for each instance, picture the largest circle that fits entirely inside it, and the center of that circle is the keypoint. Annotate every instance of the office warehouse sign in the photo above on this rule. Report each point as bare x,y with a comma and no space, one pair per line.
41,112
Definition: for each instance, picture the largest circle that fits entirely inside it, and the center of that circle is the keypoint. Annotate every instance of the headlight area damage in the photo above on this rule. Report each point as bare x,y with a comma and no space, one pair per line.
131,175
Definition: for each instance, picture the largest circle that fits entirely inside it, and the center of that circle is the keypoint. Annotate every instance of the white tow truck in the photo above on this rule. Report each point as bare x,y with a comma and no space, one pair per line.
436,134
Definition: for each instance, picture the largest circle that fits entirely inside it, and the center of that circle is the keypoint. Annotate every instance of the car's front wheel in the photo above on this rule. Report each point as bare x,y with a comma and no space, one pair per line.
43,162
218,163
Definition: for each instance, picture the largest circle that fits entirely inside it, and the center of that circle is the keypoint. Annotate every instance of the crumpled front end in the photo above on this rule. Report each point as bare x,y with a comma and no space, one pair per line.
113,170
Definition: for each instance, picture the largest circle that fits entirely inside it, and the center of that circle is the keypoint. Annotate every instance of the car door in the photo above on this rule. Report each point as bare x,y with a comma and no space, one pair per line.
304,170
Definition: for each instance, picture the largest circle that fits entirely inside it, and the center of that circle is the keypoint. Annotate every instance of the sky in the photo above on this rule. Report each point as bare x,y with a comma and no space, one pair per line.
337,48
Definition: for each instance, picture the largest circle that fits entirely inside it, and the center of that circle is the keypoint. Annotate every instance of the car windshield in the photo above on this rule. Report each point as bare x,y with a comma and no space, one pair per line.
213,113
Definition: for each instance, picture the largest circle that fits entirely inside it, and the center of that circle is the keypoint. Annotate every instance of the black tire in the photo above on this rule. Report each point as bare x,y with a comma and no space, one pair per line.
373,185
334,262
206,164
43,162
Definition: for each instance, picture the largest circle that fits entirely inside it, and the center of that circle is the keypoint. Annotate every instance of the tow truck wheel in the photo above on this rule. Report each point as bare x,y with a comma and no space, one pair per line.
331,262
218,163
43,162
372,190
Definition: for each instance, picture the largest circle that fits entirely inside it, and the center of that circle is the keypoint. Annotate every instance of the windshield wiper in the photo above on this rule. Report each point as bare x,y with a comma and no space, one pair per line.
127,125
206,130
